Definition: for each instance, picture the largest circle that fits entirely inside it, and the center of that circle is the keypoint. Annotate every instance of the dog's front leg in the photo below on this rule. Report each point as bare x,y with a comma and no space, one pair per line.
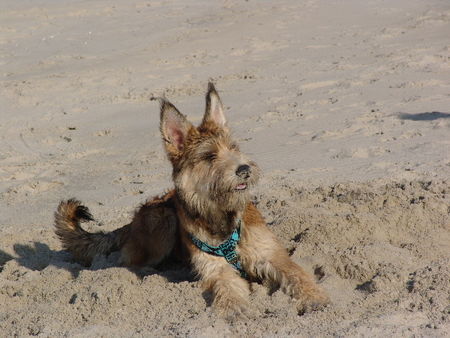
264,256
230,291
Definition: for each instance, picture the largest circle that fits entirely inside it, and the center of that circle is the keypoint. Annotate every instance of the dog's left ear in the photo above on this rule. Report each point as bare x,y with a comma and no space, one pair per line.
214,108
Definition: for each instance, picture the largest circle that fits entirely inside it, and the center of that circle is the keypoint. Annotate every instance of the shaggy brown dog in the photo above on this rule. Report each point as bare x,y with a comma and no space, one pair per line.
209,205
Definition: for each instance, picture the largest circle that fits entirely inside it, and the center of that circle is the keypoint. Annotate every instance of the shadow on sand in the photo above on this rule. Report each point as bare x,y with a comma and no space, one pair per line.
37,256
430,116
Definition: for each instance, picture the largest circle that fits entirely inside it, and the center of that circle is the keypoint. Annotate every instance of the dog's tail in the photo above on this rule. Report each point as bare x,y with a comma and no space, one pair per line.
84,245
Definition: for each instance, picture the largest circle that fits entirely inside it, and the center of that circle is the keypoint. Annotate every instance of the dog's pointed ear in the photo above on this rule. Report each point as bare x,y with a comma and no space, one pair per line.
214,108
174,127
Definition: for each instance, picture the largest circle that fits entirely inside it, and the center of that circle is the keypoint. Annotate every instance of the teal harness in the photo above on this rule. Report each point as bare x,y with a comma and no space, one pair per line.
227,249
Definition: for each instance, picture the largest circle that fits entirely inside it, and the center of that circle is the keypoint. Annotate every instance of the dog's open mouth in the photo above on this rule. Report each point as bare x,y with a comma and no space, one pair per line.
241,187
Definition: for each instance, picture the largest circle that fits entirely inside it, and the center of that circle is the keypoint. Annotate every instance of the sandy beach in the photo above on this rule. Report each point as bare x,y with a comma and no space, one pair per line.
345,106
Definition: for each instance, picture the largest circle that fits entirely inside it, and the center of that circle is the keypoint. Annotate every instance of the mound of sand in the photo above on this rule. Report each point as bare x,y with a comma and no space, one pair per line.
380,249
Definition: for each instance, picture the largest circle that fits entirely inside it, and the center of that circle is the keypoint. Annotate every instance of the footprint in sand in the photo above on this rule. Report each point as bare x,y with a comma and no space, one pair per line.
31,188
360,152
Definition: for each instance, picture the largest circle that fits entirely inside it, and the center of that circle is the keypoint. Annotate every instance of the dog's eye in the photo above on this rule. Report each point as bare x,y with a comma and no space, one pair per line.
209,156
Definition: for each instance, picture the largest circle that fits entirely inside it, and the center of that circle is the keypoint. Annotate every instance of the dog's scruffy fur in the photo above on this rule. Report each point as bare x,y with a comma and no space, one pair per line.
212,180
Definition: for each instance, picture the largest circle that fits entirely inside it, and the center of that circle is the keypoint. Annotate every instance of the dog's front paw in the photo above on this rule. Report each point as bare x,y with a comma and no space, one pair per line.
312,300
231,308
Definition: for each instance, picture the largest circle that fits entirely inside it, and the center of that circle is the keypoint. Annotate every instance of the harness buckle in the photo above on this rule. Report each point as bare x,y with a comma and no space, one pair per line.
226,250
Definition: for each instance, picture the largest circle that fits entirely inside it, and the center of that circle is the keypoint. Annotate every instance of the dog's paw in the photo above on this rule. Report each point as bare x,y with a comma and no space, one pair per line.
232,309
312,301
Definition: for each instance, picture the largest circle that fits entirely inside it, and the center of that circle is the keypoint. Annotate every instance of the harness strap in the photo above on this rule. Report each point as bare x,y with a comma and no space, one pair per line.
227,249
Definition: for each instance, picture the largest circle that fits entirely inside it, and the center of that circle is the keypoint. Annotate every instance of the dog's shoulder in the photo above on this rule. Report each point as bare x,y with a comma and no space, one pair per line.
252,216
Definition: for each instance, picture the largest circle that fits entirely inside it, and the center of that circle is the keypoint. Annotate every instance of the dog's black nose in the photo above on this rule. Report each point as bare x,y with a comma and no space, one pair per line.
243,171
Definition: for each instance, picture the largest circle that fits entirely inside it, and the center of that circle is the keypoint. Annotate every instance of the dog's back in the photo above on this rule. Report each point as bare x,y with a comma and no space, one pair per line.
148,239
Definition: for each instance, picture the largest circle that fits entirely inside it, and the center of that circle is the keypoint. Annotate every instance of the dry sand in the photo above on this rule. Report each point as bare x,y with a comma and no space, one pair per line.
345,106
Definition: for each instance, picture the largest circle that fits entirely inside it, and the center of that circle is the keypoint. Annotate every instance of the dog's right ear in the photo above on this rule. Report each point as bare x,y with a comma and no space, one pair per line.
174,127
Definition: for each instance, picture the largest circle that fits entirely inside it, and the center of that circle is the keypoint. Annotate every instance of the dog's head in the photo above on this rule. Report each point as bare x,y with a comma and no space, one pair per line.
208,167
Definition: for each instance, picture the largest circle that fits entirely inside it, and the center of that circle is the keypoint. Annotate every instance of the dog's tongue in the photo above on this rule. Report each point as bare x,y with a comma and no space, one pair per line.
241,186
